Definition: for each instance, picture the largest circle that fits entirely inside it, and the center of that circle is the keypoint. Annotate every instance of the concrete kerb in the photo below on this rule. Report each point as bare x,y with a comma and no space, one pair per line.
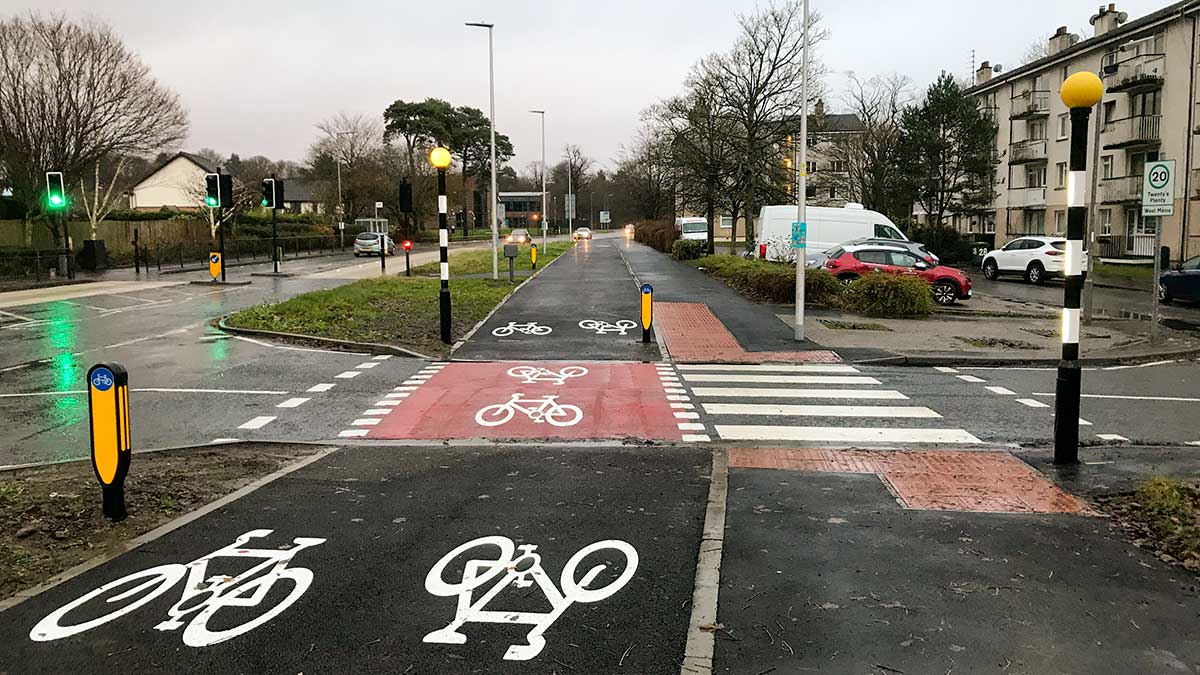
951,360
370,347
163,529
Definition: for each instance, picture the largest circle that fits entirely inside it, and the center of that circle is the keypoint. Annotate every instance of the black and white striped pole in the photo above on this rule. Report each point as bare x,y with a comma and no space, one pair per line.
1080,92
440,159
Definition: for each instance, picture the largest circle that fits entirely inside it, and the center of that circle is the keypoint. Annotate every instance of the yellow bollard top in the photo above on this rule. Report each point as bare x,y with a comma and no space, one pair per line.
1082,90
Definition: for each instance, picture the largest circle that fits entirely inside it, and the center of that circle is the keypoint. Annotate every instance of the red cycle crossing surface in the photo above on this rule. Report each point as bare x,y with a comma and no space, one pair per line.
562,400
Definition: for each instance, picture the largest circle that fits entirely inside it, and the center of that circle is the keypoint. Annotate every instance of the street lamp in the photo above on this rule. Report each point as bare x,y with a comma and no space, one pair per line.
800,227
1080,92
542,113
439,157
492,116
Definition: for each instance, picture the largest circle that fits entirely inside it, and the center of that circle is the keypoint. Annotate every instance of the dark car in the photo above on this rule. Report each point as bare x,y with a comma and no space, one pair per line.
1182,283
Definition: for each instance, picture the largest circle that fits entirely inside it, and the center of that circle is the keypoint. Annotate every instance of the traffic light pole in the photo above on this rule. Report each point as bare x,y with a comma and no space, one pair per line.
274,243
62,225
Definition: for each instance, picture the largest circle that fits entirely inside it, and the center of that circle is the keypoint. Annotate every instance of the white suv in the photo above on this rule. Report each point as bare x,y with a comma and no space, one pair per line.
1035,258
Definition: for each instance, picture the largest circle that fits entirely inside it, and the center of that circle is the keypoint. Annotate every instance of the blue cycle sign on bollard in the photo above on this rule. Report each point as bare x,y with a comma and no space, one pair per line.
799,235
647,311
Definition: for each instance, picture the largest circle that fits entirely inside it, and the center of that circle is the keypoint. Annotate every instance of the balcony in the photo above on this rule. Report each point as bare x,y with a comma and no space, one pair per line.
1030,104
1121,189
1028,151
1143,72
1131,132
989,112
1027,198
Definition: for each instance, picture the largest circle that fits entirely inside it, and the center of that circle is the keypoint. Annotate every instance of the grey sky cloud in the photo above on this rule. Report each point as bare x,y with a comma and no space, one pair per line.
254,87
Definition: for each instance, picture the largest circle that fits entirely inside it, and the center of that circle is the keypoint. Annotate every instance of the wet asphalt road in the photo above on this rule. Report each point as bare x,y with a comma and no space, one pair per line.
1113,302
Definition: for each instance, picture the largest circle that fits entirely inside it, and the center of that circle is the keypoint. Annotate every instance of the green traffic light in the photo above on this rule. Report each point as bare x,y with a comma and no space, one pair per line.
56,200
264,202
211,201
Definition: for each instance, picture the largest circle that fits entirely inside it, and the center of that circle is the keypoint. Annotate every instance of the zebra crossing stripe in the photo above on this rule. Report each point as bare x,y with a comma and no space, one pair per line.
781,379
754,392
843,434
817,410
772,368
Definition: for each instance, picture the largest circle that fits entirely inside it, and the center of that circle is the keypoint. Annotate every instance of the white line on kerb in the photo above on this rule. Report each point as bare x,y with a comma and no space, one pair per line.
293,403
698,651
844,434
817,410
258,422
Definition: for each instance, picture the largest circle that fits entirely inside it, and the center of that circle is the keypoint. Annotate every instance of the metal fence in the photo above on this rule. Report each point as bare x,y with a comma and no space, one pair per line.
1125,246
35,264
189,254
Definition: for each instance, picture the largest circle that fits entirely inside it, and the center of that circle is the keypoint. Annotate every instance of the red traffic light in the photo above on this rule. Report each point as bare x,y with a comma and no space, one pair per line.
407,245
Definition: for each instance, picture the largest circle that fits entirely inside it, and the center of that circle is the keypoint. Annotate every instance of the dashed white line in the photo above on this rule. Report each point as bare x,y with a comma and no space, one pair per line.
1111,437
258,422
348,374
389,402
23,365
367,365
1174,399
365,422
687,416
675,391
677,397
944,369
1032,403
349,433
293,403
397,394
1001,390
696,438
970,378
404,389
1084,423
377,411
318,388
1192,443
683,406
382,357
690,426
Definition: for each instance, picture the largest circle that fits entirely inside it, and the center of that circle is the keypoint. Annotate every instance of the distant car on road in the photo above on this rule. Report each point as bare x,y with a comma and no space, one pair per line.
518,237
367,243
1182,283
629,230
849,262
582,233
1035,258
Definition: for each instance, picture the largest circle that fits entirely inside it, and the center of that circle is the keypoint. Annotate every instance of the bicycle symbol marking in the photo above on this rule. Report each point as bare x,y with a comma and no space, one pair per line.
535,374
601,327
102,379
544,409
531,328
521,567
247,589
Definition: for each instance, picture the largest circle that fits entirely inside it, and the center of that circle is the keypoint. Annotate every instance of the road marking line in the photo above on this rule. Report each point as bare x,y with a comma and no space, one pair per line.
420,377
683,406
23,365
1084,423
782,379
844,434
15,316
258,422
412,382
1141,365
690,426
159,390
377,411
817,410
293,403
1001,390
1032,403
367,366
321,387
365,422
677,397
404,389
873,394
695,438
388,402
771,368
1176,399
268,345
397,394
675,391
348,374
225,440
1192,443
382,357
687,416
1111,437
698,651
348,433
944,369
970,378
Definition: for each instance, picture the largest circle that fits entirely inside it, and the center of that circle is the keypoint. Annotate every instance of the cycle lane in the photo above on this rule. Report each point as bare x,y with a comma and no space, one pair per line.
372,523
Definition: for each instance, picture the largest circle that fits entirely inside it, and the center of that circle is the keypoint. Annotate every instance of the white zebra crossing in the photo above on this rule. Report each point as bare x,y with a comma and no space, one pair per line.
805,413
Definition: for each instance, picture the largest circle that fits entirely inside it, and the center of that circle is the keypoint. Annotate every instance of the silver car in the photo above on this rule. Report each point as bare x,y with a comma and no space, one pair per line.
367,243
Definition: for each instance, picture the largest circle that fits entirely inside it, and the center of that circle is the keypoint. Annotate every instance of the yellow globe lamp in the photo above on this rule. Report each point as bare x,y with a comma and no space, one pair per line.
439,157
1082,90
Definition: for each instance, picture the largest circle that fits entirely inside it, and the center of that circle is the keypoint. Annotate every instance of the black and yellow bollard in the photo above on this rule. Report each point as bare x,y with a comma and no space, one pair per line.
533,255
108,405
647,311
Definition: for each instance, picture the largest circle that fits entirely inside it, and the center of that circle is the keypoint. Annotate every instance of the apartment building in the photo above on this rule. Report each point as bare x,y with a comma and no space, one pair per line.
1149,112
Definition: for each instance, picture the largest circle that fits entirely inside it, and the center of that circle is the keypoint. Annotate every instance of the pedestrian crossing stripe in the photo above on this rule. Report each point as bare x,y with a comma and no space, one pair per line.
736,432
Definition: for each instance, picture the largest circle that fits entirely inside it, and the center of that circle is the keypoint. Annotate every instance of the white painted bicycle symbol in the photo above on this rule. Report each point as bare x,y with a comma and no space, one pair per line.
521,570
544,409
535,374
247,589
602,327
531,328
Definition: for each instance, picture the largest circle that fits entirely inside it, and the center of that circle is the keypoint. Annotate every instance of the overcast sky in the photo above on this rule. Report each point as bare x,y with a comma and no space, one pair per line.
256,76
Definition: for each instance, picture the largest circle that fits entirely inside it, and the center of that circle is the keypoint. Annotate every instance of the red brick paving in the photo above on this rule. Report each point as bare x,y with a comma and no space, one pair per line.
941,481
693,334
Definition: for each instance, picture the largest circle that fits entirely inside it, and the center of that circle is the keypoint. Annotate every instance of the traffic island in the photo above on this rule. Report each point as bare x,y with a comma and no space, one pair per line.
50,516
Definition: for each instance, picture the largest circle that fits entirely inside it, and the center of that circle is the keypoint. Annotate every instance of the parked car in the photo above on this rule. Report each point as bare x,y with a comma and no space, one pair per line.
913,247
1036,258
1182,283
827,228
367,243
582,233
518,237
852,261
692,228
629,231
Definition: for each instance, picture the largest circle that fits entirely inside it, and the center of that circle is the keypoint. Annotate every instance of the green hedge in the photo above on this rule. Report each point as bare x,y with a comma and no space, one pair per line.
772,281
657,235
883,294
947,243
687,249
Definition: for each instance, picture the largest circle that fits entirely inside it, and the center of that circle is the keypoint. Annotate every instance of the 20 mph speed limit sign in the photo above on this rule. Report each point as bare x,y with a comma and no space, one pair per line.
1158,188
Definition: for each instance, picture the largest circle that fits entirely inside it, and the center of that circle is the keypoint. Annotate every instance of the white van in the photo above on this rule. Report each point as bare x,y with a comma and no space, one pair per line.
827,227
692,228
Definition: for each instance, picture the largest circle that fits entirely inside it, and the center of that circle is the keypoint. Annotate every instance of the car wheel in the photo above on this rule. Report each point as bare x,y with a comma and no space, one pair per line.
945,293
1163,295
1036,274
991,270
356,254
848,278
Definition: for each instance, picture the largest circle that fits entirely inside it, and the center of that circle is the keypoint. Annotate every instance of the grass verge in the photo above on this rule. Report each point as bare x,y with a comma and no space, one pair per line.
1163,515
995,343
50,516
479,261
1143,272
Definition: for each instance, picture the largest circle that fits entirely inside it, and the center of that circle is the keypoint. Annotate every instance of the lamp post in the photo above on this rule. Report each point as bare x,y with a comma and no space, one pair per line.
1080,92
542,113
440,159
492,116
802,188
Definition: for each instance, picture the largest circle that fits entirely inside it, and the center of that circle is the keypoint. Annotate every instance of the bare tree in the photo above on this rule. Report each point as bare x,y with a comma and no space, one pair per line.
100,204
1038,49
71,95
643,175
870,157
577,164
350,138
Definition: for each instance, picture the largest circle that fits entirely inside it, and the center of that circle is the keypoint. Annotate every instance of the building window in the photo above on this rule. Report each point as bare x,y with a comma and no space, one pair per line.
1066,71
1105,221
1145,103
1110,111
1064,126
839,166
1061,173
812,167
1060,222
832,192
1035,222
1106,166
1035,177
1037,130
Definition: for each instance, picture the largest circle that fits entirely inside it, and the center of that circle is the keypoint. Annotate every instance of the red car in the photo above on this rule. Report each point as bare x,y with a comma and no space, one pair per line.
851,262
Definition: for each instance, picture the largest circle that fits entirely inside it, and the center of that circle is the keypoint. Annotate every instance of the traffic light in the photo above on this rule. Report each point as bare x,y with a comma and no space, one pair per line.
408,244
406,202
218,190
56,193
272,193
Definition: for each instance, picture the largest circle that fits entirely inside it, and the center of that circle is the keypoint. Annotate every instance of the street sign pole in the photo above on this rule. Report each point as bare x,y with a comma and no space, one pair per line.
1158,200
801,185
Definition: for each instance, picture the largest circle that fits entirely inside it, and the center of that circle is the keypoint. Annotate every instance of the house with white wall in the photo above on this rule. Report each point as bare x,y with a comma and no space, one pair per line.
176,184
